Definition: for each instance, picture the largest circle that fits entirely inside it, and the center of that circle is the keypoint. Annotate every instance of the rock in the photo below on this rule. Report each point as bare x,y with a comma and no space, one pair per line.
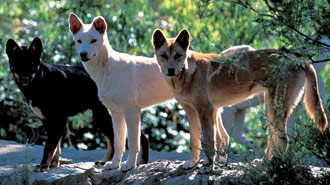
17,162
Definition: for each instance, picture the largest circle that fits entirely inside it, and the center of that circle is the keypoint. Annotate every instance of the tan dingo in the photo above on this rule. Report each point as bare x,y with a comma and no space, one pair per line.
202,85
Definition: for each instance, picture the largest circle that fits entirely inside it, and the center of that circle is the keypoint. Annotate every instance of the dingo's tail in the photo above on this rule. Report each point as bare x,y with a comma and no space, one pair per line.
312,99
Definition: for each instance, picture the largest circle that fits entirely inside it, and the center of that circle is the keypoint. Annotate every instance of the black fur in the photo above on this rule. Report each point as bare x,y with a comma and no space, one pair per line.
58,91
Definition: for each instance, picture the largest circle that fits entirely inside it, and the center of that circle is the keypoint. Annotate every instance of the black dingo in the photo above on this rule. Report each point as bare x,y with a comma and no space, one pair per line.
55,92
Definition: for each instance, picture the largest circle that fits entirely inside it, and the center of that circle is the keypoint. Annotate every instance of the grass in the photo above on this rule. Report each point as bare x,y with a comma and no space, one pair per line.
25,174
284,170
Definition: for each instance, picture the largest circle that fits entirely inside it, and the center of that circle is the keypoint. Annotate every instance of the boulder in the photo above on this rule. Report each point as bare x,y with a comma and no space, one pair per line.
17,162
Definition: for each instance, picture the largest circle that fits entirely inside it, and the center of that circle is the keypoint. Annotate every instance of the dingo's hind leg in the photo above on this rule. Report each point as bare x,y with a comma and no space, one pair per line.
222,137
279,103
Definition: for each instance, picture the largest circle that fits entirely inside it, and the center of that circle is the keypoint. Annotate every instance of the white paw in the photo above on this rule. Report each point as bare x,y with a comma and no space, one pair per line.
189,164
109,165
223,158
257,162
125,166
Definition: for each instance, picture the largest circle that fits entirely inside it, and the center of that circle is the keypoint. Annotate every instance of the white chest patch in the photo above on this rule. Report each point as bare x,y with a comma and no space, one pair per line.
16,76
36,111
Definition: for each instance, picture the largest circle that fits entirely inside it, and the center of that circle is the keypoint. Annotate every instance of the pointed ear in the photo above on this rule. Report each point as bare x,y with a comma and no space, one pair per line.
36,47
158,39
99,24
183,39
75,23
11,47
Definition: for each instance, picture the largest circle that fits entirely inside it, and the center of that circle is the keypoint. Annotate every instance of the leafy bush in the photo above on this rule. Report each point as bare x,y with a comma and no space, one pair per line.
284,170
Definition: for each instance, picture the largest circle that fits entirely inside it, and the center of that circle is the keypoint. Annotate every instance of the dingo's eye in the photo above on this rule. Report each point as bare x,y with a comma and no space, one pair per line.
79,41
164,56
177,56
93,40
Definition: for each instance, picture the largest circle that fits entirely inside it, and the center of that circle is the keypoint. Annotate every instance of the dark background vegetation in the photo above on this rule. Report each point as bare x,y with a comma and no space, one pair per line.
289,25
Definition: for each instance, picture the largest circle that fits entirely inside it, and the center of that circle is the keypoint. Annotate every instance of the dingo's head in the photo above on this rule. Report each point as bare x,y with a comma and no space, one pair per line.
171,53
88,38
24,61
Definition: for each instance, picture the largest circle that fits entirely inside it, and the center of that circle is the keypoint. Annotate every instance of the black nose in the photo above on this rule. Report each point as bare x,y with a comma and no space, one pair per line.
170,71
83,56
25,79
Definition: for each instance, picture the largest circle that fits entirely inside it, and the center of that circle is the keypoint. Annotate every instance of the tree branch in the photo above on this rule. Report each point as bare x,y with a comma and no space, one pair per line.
270,7
247,5
319,61
306,36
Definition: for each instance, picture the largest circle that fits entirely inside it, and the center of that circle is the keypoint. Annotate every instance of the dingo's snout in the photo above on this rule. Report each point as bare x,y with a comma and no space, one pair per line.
83,56
171,71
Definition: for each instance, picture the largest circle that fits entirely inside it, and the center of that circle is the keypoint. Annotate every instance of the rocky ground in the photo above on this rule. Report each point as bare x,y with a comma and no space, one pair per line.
17,162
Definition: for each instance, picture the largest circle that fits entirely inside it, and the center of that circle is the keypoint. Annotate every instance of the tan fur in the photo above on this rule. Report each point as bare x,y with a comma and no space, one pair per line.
56,158
314,105
204,85
109,151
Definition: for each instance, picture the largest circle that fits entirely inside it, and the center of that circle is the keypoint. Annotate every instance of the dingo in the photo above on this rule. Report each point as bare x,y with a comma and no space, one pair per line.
55,92
126,84
202,85
233,117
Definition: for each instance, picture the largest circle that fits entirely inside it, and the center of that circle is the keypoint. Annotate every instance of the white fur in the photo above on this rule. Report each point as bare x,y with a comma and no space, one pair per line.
36,111
126,84
237,49
16,76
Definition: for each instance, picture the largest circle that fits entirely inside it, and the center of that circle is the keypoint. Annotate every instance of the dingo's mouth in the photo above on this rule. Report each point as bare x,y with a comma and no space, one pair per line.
85,59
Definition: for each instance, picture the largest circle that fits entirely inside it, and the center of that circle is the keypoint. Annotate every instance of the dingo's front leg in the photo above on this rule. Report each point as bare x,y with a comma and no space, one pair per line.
206,113
119,128
55,130
195,136
132,117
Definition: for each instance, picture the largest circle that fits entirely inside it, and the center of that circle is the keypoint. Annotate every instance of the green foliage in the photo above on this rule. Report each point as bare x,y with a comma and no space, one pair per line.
167,128
309,140
283,170
298,25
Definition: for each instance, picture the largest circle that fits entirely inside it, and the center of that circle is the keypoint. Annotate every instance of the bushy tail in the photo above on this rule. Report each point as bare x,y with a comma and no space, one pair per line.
312,99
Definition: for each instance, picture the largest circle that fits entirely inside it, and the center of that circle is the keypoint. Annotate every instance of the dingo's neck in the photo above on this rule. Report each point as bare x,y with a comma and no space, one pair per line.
185,76
96,66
